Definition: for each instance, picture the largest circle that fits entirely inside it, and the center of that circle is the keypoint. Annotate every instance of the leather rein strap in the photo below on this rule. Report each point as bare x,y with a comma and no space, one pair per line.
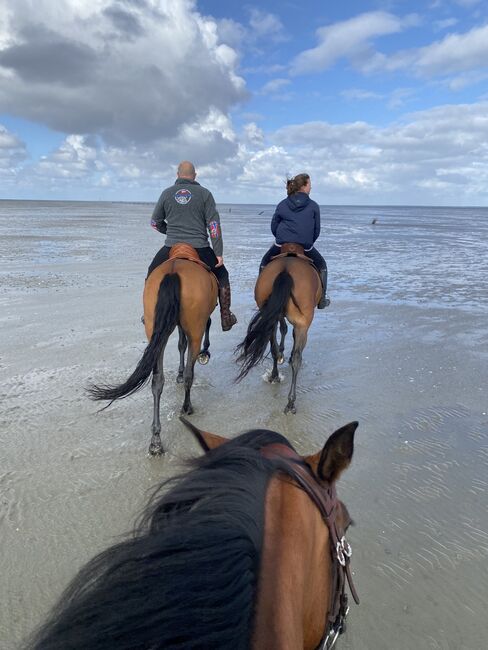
325,498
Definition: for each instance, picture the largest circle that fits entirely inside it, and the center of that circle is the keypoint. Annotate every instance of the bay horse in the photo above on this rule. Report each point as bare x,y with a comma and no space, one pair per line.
181,292
289,287
244,550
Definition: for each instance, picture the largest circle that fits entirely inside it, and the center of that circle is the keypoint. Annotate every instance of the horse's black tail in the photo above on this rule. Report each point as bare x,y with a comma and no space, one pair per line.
166,319
260,329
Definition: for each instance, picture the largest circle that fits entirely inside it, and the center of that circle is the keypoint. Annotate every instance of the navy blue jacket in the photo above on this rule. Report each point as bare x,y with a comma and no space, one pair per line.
296,220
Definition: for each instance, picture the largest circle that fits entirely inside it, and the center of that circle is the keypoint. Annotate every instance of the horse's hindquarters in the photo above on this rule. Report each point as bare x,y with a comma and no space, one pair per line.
198,294
306,289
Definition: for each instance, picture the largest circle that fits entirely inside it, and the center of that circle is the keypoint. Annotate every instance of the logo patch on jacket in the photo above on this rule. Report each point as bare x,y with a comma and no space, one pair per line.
183,197
214,229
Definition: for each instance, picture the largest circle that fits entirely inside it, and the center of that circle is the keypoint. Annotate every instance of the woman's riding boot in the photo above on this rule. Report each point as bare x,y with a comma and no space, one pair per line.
324,301
227,317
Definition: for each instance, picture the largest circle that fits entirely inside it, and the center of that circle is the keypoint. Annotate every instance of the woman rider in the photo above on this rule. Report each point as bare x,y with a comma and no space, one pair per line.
297,221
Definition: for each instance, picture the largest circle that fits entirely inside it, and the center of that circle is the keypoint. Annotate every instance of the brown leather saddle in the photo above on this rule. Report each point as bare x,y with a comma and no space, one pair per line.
296,250
184,251
293,250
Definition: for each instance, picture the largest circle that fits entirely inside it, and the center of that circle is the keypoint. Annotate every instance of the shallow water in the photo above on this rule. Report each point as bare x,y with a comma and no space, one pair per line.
403,349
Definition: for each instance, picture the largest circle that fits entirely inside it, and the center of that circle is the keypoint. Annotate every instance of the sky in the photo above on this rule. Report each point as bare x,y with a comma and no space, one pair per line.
382,102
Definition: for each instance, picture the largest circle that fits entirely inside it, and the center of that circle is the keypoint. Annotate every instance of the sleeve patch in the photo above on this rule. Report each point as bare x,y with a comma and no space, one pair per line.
214,229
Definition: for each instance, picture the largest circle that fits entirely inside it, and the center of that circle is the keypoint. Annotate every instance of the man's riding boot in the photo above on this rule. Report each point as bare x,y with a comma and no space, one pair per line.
227,317
324,301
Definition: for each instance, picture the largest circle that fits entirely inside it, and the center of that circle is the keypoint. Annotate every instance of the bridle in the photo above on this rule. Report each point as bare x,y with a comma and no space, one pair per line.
325,498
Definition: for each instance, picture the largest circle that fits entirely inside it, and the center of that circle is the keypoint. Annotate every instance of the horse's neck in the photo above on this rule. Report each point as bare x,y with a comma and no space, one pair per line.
293,588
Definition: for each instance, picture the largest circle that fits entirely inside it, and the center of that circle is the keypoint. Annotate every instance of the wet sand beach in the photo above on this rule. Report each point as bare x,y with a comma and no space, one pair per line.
403,348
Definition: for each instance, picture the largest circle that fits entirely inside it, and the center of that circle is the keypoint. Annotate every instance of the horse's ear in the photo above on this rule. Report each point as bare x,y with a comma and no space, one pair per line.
207,440
336,455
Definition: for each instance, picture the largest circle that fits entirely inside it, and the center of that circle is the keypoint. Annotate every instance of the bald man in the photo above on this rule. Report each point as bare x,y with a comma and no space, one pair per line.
186,212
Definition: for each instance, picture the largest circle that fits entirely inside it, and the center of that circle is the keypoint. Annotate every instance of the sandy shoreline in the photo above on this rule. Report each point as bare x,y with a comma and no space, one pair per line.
72,480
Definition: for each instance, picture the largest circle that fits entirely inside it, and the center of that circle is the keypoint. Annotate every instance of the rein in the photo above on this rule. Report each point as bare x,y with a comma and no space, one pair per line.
325,498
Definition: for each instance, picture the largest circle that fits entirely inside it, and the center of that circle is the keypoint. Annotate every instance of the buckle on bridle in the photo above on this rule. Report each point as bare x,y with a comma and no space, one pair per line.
343,551
337,628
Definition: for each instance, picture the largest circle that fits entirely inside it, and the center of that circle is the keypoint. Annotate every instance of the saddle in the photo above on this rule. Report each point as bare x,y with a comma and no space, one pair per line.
186,252
293,250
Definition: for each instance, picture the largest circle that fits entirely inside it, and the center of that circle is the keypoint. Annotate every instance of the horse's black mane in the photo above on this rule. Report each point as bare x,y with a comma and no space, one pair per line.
187,576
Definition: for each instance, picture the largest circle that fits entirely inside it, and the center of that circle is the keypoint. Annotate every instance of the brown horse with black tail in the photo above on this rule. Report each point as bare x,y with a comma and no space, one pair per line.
289,287
179,293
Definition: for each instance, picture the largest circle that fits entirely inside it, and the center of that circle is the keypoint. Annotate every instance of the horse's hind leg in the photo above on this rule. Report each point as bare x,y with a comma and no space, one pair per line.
275,375
300,337
156,448
194,347
283,332
204,356
182,344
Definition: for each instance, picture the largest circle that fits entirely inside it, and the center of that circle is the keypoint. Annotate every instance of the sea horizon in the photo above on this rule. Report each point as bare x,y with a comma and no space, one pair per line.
231,203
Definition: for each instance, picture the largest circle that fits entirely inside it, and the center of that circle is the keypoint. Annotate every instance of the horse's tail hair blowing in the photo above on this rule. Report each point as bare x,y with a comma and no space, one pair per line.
251,350
165,320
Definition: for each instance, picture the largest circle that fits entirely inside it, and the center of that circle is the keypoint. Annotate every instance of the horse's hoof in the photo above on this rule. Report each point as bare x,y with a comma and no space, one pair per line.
187,410
281,359
203,358
275,380
156,449
179,379
290,409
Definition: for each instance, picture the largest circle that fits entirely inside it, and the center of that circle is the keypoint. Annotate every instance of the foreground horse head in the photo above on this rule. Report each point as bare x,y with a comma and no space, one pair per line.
288,287
245,550
178,293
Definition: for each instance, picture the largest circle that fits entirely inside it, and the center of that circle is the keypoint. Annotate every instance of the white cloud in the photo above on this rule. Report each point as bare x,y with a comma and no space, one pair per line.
394,99
231,32
358,94
266,25
439,25
349,38
268,69
434,156
77,158
12,154
456,52
129,72
400,96
466,79
453,54
467,3
252,134
209,142
274,86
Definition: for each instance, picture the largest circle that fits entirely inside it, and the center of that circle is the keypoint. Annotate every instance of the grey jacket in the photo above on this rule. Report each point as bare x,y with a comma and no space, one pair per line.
186,212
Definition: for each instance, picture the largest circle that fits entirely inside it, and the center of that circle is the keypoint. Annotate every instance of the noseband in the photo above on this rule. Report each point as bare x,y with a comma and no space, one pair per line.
325,498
